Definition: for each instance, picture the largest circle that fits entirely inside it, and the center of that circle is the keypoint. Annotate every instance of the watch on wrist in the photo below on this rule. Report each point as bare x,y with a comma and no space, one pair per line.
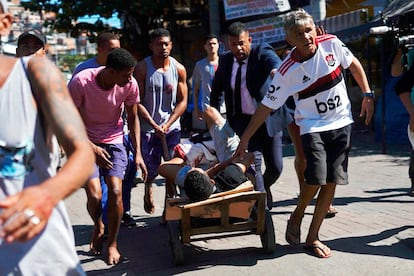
370,94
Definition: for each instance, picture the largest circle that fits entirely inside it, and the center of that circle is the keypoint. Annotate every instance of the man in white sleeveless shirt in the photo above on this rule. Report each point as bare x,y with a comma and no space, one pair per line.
36,236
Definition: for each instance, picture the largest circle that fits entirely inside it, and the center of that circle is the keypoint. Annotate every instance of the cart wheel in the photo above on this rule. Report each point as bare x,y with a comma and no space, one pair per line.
268,237
175,242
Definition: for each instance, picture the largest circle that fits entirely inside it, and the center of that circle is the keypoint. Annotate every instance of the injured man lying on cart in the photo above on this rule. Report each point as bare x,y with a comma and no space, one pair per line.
215,199
200,169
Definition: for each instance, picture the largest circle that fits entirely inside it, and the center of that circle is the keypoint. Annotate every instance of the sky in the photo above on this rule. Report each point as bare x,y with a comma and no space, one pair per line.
113,21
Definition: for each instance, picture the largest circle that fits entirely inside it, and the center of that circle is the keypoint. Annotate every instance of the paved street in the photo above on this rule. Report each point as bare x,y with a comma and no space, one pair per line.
373,233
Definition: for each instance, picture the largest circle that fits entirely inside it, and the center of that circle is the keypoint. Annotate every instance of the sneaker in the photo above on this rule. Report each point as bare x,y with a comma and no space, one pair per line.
128,220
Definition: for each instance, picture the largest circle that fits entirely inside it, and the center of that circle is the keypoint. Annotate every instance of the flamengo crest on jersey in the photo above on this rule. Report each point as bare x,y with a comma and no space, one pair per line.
317,86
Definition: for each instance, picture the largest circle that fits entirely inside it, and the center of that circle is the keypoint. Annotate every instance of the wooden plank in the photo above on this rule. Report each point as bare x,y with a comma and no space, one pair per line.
240,206
185,226
224,208
248,225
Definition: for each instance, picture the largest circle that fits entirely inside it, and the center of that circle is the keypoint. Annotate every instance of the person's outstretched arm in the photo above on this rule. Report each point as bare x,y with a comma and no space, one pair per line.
169,169
255,122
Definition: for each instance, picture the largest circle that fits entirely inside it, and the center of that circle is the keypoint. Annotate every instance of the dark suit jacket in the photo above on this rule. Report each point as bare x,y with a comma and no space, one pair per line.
262,59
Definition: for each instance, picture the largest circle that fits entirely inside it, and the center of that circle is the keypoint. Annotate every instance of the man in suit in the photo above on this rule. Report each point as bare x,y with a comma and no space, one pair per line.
242,91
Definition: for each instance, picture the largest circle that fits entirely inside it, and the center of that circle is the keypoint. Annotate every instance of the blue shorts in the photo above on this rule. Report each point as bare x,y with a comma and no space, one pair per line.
327,156
151,150
118,158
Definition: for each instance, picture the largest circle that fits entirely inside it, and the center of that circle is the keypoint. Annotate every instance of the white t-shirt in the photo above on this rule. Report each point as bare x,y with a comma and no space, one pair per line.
317,86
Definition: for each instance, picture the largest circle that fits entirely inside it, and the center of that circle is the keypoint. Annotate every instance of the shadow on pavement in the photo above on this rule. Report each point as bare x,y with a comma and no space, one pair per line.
381,196
377,244
147,251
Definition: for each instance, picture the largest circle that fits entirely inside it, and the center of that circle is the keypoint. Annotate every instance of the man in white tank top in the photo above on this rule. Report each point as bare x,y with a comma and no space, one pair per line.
36,236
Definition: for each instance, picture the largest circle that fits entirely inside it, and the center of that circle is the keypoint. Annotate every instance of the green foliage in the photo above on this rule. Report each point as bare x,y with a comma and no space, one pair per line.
68,62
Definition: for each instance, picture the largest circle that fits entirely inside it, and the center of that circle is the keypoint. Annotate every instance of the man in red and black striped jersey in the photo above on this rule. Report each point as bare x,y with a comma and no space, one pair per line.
313,74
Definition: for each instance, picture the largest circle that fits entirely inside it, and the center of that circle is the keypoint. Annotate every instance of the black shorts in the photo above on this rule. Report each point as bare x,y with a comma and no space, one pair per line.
229,178
327,156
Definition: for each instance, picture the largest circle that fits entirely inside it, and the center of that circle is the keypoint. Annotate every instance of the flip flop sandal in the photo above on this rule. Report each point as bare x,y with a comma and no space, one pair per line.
313,249
331,212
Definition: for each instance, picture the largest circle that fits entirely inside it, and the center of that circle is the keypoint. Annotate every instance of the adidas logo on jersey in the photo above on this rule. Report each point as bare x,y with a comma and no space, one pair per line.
305,79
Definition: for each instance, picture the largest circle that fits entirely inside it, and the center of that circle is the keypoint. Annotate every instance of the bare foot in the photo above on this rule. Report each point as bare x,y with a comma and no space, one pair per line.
97,240
292,236
113,255
148,200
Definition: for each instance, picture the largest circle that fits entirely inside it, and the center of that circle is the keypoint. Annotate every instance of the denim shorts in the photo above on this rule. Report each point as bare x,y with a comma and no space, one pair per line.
327,156
118,158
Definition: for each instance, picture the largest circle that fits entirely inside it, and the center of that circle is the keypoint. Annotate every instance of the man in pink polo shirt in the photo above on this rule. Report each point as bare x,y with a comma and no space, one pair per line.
101,94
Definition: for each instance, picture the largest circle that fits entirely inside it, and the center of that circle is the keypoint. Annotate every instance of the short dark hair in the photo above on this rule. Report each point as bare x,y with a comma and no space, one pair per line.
236,28
120,59
103,38
197,186
160,32
210,36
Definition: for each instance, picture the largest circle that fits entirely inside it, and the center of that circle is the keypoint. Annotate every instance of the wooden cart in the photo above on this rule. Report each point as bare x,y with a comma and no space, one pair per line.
241,209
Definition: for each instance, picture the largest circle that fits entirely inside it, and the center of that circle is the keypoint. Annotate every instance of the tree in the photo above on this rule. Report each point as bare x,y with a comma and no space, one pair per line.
137,17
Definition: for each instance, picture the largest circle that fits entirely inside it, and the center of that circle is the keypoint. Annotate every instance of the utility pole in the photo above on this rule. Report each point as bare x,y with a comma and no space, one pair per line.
318,9
214,16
